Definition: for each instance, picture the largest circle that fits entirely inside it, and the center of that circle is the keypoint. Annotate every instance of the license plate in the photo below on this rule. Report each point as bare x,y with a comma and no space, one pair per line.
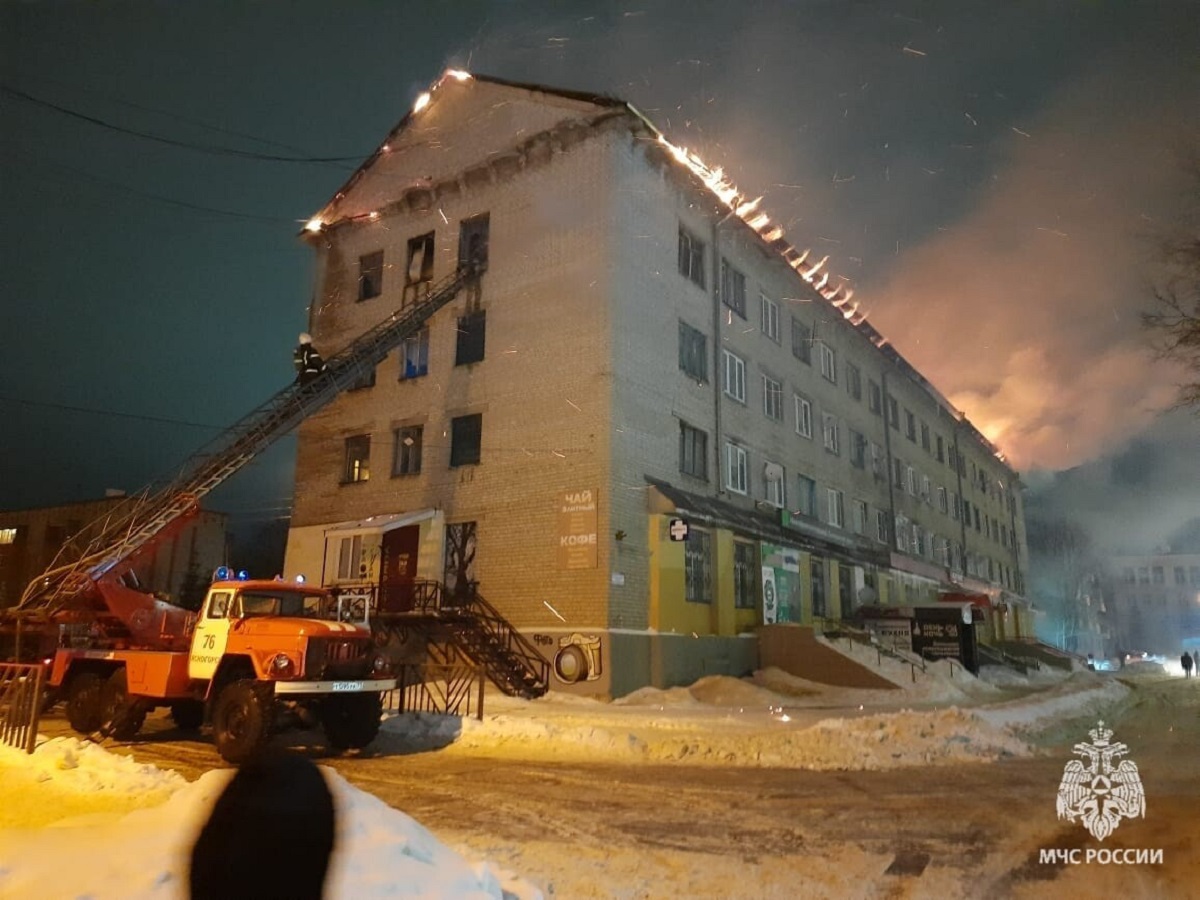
347,685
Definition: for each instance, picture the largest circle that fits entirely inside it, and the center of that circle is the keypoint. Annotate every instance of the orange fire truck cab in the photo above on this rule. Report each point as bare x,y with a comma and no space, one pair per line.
258,654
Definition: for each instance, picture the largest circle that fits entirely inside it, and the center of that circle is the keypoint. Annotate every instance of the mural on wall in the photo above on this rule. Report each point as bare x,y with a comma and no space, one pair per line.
578,657
782,591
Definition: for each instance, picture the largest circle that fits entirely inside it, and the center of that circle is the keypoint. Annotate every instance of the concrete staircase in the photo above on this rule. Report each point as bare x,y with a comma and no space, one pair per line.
796,650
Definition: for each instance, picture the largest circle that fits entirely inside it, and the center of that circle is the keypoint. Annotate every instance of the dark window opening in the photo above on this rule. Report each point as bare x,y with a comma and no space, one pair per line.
473,242
472,330
370,275
466,433
418,274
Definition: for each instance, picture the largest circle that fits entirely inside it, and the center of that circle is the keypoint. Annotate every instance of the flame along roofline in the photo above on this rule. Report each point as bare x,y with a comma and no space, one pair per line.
838,296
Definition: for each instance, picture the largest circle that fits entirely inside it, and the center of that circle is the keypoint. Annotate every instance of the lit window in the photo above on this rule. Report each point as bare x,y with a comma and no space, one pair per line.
8,535
357,465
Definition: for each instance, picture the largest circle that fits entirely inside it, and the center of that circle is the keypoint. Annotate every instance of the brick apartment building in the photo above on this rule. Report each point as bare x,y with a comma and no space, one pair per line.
644,355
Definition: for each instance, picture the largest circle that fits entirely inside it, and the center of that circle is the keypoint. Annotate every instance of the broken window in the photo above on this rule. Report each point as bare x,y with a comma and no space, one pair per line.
472,330
418,275
370,275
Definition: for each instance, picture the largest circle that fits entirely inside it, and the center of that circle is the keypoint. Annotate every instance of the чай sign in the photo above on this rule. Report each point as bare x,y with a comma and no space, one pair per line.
577,530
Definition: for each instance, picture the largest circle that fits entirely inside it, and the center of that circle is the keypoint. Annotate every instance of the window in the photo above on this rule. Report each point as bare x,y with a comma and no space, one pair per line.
693,352
954,506
772,398
746,573
898,472
861,516
466,434
943,503
910,426
910,480
858,450
473,237
1180,575
414,355
775,485
769,317
357,466
407,458
8,535
926,489
1194,574
691,258
881,526
893,409
941,449
874,397
806,496
737,470
829,431
697,566
802,339
924,436
803,416
836,512
370,275
418,274
733,288
1157,571
693,451
366,380
472,332
975,510
853,381
1143,575
828,362
902,534
349,557
877,461
816,571
735,376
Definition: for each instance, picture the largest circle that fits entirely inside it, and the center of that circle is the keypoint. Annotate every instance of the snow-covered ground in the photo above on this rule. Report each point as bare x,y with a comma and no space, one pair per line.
127,828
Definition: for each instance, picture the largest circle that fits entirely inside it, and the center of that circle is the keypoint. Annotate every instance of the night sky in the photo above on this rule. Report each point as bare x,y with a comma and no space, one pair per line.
992,178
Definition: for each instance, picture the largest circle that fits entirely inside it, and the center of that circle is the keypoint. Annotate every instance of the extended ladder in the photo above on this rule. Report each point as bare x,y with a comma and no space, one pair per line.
154,510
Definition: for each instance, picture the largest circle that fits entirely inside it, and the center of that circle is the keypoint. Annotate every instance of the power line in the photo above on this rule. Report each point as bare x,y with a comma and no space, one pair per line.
188,145
111,413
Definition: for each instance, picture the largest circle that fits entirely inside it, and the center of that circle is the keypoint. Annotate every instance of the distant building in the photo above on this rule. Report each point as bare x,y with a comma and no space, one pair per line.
31,540
656,425
1155,601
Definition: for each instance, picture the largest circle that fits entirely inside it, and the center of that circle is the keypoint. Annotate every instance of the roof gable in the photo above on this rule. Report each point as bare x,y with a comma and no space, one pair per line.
461,122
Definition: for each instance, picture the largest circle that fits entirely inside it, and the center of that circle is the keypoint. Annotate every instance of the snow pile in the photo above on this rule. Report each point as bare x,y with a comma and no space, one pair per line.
70,777
380,851
1083,693
722,721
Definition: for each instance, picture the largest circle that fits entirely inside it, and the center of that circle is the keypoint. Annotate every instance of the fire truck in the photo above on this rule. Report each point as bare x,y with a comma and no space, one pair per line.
257,654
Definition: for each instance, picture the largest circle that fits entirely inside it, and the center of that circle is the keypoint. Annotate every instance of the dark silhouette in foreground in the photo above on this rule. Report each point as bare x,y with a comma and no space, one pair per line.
270,834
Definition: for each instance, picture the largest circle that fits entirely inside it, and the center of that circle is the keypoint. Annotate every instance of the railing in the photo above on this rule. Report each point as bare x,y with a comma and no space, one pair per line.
837,628
21,690
453,689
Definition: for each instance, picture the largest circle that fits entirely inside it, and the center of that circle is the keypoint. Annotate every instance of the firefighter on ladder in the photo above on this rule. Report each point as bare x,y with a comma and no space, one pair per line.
307,360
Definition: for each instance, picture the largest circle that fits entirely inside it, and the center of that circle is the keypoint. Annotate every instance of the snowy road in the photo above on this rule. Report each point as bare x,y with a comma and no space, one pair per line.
603,830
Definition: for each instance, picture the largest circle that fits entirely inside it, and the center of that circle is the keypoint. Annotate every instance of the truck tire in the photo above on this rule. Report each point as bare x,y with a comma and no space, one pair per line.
351,721
123,716
85,706
188,715
241,720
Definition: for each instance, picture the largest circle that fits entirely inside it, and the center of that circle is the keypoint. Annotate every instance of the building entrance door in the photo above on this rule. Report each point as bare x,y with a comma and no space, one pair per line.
398,571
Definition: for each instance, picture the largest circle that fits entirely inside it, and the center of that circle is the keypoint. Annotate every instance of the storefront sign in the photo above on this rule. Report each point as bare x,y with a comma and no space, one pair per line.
577,530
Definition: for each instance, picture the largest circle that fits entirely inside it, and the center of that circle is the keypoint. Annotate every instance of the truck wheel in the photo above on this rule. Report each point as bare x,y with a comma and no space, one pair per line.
241,720
123,717
351,721
85,709
188,715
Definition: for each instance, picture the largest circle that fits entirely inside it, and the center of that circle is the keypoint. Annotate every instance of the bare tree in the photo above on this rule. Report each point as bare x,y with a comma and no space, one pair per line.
1174,320
1064,571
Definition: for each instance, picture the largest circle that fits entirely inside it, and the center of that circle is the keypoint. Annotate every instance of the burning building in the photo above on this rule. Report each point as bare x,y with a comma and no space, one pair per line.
652,426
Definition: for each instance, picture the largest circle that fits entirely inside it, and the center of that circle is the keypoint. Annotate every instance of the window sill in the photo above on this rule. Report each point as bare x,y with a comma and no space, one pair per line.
344,483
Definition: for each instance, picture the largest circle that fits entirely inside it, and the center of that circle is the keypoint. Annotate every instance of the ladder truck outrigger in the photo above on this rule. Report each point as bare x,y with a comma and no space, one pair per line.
257,653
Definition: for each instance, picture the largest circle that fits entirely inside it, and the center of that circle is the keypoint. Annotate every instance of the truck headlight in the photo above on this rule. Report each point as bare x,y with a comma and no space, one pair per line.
282,665
380,664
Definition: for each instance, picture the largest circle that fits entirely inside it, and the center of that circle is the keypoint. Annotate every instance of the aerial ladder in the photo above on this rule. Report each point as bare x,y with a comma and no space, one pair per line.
93,581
